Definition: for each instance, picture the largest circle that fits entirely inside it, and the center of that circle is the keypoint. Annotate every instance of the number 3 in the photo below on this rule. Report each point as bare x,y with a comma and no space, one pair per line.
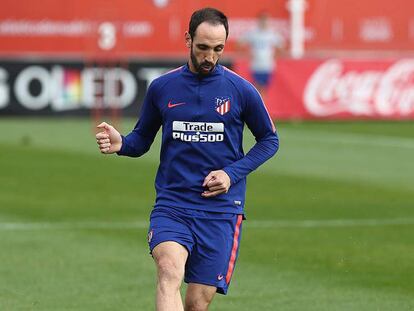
107,36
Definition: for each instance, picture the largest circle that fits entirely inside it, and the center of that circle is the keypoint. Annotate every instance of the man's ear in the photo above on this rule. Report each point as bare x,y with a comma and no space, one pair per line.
188,40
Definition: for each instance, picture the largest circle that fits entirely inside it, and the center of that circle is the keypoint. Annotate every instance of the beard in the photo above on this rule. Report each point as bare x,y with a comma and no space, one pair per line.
204,68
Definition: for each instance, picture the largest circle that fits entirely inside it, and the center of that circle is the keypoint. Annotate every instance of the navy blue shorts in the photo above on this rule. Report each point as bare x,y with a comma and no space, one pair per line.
211,239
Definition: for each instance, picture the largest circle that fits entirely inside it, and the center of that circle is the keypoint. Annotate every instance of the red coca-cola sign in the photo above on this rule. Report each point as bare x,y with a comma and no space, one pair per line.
333,90
342,89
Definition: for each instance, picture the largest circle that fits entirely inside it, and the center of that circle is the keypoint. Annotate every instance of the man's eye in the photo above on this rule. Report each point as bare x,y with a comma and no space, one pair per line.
219,49
202,47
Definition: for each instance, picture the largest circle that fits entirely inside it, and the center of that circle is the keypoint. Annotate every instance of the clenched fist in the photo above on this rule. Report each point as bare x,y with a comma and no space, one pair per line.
109,140
217,182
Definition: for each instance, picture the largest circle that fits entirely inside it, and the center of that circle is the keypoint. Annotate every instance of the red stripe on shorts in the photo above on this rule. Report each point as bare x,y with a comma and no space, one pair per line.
234,249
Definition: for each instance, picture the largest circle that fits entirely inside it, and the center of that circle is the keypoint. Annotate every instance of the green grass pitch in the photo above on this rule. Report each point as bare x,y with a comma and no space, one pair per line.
330,221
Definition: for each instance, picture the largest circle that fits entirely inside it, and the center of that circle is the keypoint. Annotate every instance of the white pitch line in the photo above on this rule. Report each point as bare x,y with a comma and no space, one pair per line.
256,224
328,223
72,225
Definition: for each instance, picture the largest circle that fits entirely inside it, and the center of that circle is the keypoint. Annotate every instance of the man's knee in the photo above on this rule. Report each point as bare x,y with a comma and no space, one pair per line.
170,259
169,271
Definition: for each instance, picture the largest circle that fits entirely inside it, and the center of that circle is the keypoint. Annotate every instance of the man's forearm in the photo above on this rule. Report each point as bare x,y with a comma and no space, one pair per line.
260,153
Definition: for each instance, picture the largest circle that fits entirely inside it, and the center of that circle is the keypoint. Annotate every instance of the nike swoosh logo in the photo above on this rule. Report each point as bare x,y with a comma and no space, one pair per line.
170,105
220,277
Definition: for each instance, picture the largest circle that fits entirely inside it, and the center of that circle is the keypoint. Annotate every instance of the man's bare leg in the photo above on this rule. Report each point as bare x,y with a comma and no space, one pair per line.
199,297
170,258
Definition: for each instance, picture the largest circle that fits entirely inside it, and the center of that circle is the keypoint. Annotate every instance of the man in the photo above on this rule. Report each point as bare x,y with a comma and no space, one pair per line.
195,225
263,44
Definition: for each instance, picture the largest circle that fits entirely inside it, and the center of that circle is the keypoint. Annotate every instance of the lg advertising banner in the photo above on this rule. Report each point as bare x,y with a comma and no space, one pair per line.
75,88
341,89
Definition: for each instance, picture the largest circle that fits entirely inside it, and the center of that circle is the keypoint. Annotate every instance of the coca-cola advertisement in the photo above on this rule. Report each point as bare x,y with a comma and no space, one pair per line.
341,89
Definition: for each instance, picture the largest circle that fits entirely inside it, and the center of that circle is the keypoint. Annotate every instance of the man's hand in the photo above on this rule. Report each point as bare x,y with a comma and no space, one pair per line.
217,182
109,140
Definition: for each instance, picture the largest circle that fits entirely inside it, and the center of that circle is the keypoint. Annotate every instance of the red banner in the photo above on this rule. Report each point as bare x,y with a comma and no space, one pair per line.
361,25
156,28
341,89
150,28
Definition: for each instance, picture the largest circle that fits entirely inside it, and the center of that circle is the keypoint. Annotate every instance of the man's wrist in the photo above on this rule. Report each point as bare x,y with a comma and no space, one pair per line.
229,174
120,145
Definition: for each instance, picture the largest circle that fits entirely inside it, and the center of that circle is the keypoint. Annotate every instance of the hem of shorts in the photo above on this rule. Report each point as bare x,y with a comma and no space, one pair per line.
168,240
219,289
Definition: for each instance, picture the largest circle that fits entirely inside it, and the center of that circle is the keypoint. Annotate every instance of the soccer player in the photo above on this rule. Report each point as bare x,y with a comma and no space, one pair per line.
195,226
264,43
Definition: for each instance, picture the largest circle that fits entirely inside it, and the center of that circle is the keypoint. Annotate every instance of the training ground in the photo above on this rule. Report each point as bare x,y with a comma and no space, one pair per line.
330,221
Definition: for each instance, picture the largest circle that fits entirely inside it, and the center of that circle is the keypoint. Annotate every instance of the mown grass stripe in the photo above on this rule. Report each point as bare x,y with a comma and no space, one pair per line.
257,224
352,139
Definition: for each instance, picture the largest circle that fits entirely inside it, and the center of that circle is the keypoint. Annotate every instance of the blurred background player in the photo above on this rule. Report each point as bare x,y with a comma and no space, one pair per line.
264,44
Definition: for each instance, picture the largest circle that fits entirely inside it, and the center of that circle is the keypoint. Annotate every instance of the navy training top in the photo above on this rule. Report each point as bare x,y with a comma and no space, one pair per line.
202,122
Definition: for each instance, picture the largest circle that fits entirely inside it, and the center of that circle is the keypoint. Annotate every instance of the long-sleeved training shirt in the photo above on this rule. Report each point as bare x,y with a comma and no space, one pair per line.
202,121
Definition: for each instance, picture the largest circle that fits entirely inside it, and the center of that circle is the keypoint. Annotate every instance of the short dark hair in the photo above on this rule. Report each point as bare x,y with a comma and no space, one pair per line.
209,15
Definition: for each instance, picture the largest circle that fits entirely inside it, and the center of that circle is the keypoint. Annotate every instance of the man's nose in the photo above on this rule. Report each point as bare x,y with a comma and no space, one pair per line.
209,57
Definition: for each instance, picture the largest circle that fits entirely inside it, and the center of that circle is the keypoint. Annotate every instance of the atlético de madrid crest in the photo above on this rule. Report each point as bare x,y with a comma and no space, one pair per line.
222,105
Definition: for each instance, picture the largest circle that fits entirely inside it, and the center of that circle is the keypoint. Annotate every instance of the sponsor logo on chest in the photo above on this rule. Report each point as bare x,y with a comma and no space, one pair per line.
203,132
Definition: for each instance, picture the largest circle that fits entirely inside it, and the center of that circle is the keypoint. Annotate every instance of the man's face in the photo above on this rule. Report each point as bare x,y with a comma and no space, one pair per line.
206,47
263,21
